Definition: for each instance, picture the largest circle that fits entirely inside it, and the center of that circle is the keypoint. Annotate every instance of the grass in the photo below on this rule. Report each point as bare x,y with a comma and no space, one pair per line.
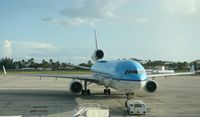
13,72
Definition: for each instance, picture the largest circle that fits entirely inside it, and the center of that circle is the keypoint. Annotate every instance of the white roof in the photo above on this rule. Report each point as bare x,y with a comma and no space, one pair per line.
135,101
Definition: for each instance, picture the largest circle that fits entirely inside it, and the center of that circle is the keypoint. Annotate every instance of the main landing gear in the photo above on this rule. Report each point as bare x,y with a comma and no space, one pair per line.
128,98
85,91
107,91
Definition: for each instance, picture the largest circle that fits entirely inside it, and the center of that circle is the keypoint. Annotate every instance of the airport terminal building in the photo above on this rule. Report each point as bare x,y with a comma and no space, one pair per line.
197,66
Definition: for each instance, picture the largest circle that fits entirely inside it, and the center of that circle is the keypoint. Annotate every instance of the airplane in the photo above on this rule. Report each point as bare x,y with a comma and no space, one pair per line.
126,76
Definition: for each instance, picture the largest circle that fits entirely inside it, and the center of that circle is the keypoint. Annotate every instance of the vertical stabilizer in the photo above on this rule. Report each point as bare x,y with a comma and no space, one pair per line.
98,54
4,71
96,40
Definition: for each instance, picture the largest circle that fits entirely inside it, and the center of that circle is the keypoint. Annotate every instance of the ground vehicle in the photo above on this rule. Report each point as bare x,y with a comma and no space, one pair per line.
136,107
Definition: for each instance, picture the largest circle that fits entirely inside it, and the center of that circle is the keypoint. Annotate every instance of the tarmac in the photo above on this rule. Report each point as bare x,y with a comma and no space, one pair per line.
31,97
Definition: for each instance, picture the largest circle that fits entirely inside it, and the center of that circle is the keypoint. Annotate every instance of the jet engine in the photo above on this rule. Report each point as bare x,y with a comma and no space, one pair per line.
98,54
150,86
75,86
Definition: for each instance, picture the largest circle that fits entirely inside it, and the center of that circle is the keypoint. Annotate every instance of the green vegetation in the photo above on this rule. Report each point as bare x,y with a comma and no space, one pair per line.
57,72
177,66
9,63
55,67
45,67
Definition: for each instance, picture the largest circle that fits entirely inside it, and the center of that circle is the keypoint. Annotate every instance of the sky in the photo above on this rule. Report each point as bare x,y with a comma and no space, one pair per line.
64,29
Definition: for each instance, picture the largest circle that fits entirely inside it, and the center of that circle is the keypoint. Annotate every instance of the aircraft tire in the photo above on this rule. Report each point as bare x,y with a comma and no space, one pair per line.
108,92
83,92
105,92
88,91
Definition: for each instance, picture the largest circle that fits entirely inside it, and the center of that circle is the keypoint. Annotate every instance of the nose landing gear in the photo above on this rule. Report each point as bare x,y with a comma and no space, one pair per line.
128,98
107,91
85,91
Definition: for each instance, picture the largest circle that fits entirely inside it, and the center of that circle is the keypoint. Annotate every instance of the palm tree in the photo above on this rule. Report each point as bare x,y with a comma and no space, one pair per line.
45,64
51,62
23,63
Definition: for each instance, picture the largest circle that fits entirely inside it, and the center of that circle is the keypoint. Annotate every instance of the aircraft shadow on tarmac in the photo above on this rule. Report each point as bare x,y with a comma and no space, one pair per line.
58,94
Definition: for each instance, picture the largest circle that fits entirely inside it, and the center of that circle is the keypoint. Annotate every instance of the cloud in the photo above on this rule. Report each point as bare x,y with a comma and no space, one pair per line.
95,9
27,48
72,55
183,7
7,48
37,50
88,12
35,45
70,21
33,49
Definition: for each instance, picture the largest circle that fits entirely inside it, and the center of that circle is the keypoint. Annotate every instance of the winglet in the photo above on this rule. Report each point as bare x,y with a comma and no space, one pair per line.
96,40
4,71
193,68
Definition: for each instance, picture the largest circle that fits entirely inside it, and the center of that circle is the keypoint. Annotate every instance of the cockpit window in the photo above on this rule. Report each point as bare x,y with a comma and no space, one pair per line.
133,72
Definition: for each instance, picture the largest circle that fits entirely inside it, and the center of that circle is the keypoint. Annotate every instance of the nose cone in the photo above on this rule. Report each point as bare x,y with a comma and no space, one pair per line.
130,70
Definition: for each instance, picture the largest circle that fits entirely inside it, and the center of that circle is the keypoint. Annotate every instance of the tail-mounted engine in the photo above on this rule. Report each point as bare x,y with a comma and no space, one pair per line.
150,86
98,54
75,86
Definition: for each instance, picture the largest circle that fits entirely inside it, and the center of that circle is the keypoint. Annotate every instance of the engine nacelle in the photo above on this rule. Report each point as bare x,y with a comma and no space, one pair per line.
98,54
75,86
150,86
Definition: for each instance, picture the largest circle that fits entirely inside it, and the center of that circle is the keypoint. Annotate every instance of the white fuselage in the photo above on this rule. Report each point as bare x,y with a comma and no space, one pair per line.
122,86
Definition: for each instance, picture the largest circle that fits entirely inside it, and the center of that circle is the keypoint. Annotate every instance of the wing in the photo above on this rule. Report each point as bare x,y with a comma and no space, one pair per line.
89,78
192,72
170,74
82,67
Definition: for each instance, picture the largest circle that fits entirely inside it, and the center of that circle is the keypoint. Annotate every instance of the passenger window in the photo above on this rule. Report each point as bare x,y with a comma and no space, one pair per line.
126,72
134,72
131,72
